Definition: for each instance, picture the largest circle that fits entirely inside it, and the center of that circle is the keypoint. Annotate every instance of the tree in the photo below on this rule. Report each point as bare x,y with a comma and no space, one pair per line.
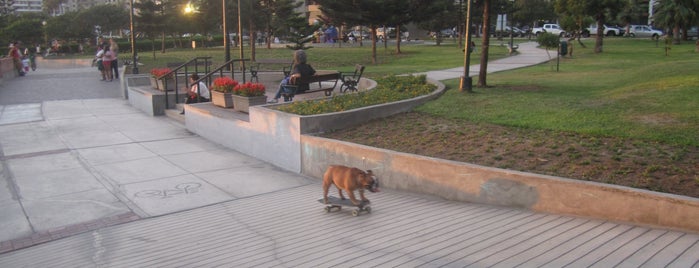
111,17
483,72
149,20
6,7
530,11
276,15
358,12
438,16
675,14
25,28
548,41
301,33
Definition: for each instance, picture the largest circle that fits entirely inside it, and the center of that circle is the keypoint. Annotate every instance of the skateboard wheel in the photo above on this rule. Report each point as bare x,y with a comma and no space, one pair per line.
355,212
367,209
327,209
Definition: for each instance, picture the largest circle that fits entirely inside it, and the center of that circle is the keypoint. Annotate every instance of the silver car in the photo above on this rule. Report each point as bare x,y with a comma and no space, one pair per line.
644,31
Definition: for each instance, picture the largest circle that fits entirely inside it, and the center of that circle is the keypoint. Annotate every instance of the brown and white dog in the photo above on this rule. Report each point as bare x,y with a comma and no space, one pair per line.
349,179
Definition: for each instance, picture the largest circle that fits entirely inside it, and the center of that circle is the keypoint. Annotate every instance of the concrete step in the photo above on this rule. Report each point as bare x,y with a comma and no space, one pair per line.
175,113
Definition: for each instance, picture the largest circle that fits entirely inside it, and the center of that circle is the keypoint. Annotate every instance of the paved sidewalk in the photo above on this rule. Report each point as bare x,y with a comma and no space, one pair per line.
96,183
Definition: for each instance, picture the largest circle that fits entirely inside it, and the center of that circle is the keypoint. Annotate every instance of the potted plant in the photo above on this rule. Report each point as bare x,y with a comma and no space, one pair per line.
222,92
248,94
157,77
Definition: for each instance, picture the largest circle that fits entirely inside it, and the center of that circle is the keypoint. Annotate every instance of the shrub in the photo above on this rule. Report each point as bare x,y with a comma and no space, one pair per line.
388,89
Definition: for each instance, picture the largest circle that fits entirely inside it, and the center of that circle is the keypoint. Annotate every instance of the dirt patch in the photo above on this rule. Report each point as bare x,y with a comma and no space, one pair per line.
639,164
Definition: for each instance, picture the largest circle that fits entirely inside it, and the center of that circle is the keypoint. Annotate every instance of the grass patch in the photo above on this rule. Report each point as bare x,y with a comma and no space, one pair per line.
631,90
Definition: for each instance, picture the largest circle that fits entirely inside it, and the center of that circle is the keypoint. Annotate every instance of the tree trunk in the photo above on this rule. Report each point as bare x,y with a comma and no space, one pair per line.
373,44
482,73
162,42
676,35
600,35
398,39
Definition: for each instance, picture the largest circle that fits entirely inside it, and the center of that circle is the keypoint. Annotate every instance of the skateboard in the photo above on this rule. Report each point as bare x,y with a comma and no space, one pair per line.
337,203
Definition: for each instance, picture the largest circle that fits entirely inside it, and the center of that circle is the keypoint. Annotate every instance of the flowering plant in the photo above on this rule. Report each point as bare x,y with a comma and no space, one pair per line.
249,89
224,84
158,72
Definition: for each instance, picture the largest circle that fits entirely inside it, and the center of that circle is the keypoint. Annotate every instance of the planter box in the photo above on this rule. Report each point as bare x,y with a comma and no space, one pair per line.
160,84
153,82
242,104
220,99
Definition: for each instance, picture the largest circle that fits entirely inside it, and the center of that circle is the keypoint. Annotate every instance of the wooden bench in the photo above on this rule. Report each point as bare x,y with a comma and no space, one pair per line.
257,66
329,77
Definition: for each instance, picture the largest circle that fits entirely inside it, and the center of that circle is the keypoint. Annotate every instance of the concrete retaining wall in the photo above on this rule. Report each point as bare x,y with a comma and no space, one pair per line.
479,184
7,69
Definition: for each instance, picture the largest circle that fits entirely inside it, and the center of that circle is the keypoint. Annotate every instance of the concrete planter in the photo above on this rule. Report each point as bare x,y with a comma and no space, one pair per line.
221,99
242,104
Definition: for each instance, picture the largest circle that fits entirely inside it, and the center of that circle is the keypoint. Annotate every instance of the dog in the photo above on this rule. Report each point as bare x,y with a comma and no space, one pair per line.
349,179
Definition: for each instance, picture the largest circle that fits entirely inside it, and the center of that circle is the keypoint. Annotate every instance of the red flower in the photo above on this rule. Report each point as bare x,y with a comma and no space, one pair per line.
224,84
158,72
249,89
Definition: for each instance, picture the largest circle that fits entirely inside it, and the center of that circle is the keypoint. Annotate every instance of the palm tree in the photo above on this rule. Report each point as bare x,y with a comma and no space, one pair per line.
675,14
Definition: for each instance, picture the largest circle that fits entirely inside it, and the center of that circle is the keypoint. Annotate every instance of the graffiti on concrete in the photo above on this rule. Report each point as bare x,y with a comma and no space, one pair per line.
180,189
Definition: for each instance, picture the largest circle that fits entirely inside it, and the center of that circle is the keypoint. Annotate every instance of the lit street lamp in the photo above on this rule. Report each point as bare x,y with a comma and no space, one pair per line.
46,38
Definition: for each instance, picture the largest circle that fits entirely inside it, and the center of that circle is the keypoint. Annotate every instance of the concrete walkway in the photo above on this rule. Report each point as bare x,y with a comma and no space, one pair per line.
95,183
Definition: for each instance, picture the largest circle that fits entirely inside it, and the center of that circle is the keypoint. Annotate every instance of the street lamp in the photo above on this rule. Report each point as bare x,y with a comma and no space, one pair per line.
512,35
46,38
226,38
134,54
466,82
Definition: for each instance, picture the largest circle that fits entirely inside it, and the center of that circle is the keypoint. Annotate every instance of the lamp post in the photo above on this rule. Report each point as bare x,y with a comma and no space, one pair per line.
46,38
466,83
134,54
240,32
226,38
512,32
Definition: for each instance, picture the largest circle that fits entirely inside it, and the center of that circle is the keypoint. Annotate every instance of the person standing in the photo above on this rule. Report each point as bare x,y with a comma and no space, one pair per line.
107,62
98,61
16,57
114,47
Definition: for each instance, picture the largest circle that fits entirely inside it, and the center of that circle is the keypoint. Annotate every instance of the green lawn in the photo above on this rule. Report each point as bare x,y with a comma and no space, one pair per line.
413,57
631,90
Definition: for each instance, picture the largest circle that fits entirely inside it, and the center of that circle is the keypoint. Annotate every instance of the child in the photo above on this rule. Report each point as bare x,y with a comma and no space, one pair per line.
25,63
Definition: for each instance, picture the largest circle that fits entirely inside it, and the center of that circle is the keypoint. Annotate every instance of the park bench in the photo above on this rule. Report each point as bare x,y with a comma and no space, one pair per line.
350,81
322,81
269,65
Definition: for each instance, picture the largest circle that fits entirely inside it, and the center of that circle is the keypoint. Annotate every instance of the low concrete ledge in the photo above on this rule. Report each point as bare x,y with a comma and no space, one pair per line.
150,101
479,184
345,119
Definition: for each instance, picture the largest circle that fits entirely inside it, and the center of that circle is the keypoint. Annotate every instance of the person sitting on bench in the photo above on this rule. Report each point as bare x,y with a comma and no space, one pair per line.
300,69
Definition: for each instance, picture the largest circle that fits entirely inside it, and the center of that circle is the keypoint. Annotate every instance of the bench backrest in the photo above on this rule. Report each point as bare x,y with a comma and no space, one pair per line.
358,71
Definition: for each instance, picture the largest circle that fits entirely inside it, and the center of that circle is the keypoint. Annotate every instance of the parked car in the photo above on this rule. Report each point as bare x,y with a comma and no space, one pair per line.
549,28
445,33
644,31
608,30
692,33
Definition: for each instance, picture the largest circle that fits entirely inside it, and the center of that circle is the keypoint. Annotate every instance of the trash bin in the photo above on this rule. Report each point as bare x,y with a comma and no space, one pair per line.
563,48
